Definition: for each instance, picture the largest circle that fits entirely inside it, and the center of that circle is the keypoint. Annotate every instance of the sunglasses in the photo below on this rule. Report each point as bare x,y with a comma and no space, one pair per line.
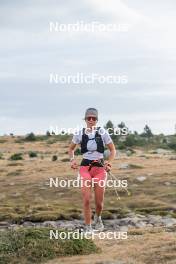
91,117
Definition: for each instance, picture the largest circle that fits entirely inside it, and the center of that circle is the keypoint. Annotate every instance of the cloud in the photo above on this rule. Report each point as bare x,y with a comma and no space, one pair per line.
116,10
29,53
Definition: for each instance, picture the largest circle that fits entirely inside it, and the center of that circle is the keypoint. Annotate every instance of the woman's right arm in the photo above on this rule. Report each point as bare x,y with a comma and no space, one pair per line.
71,150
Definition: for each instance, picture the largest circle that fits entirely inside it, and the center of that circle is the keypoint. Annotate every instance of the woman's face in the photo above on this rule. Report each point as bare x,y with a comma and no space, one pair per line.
91,121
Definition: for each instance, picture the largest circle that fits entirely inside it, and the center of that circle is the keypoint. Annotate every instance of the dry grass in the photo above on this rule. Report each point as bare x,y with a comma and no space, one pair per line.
153,246
24,193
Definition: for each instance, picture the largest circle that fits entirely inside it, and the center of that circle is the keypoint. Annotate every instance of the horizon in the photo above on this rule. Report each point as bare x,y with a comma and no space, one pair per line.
61,128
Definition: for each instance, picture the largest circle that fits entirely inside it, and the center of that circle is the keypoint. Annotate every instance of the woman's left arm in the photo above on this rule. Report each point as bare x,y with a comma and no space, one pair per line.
112,150
112,155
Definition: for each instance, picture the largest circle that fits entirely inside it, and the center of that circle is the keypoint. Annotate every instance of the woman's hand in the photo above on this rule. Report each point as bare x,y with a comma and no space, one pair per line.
107,166
74,164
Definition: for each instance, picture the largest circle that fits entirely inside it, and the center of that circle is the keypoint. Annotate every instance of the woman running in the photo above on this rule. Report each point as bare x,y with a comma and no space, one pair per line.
93,167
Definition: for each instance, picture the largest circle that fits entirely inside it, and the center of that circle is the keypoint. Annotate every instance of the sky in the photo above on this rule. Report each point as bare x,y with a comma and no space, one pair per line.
29,53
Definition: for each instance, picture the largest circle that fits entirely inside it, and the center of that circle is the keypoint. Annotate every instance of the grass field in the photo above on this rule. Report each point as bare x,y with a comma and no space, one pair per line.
25,195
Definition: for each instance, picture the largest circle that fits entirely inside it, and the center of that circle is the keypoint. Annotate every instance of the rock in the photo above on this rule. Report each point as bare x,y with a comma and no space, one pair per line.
125,221
130,226
150,174
134,220
28,224
168,222
141,216
123,224
112,224
124,228
141,178
69,225
167,183
50,224
141,224
154,219
173,158
149,225
17,194
129,153
43,188
4,224
124,166
163,151
131,214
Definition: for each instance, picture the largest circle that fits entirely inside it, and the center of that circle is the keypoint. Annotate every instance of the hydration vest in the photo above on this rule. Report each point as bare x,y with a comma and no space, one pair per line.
97,138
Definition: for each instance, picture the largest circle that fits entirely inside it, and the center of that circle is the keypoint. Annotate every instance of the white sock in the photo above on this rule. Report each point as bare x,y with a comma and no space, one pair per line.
88,225
98,217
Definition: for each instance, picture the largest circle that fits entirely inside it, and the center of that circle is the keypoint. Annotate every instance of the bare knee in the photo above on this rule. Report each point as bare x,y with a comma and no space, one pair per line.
86,201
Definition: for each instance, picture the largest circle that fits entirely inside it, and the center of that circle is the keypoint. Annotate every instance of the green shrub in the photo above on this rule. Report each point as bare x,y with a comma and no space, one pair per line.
141,142
54,157
3,140
32,154
65,160
107,215
42,137
52,141
15,173
30,137
172,145
135,166
63,137
130,140
33,245
1,155
16,156
15,164
121,146
78,152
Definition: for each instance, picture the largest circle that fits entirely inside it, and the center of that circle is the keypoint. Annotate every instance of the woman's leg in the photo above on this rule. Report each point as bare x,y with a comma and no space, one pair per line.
99,198
86,193
100,176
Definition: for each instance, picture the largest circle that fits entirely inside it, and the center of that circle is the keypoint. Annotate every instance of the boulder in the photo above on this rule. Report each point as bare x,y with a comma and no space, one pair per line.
168,221
141,178
163,151
124,166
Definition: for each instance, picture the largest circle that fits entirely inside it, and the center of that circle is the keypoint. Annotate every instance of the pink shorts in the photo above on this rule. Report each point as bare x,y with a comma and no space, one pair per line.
96,173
